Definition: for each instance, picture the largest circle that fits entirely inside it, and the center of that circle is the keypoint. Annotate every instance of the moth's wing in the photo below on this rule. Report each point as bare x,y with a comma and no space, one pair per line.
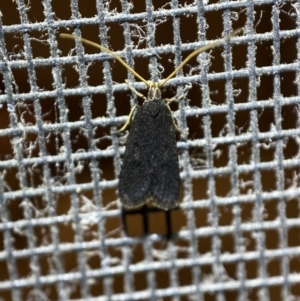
165,184
150,167
134,179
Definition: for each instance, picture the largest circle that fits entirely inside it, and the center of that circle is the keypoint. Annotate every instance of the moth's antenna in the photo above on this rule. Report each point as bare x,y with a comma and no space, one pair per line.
69,36
198,51
150,84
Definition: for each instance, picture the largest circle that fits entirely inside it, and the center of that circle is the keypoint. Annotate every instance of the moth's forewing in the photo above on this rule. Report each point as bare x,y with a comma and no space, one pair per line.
150,169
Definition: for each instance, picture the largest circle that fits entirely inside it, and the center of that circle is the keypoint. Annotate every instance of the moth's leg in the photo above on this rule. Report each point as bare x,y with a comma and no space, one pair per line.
133,90
125,126
174,98
174,123
168,100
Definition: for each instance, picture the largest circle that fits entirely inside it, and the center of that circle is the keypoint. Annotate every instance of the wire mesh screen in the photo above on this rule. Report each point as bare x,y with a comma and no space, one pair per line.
64,234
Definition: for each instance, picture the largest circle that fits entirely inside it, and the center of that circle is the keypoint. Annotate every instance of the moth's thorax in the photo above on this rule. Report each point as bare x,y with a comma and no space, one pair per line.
154,92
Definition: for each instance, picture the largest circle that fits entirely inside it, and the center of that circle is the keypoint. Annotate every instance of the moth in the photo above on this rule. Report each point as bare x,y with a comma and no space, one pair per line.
150,169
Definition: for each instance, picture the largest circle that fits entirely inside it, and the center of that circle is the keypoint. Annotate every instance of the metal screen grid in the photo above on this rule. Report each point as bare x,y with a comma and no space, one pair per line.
64,238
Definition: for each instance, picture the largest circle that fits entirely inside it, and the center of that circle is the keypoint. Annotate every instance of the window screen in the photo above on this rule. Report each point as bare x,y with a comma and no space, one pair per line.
64,234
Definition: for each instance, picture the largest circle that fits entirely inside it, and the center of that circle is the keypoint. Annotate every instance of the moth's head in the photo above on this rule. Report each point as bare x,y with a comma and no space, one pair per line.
154,91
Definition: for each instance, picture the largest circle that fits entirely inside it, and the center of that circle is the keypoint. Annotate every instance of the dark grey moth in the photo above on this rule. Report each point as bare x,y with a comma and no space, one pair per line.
150,170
